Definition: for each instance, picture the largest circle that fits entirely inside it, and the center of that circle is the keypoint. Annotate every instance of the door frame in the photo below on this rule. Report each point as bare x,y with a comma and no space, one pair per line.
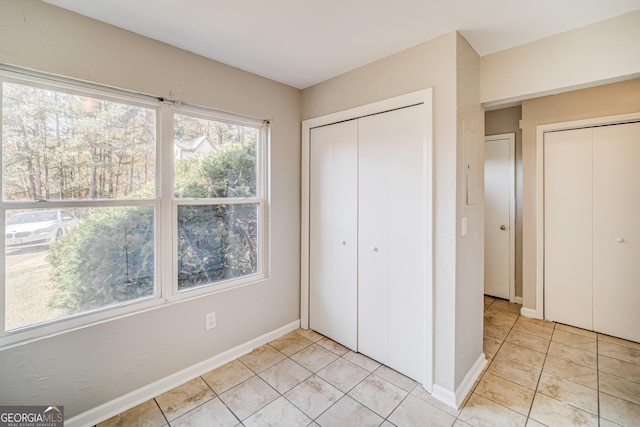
512,207
538,311
414,98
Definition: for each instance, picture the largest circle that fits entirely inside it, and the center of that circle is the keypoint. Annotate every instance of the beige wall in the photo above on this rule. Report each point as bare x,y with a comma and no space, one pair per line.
93,365
608,100
469,248
596,54
434,64
507,120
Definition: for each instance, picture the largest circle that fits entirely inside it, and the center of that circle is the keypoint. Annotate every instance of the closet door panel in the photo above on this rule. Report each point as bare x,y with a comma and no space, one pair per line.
568,294
616,230
392,239
333,251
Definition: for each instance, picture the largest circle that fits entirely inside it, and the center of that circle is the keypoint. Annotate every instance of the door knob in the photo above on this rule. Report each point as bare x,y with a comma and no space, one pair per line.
375,249
344,242
620,240
503,227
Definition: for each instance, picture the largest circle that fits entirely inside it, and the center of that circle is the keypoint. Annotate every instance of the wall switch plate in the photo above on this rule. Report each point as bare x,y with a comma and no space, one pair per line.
210,320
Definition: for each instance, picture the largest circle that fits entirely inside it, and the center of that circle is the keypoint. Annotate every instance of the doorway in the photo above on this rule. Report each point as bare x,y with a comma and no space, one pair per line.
499,182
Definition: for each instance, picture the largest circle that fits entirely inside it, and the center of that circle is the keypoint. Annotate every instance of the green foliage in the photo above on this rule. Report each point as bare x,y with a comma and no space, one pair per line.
216,243
228,171
106,260
109,257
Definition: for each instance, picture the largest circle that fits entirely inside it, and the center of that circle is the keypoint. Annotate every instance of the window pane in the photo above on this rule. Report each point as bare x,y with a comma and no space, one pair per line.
213,159
216,243
61,146
66,261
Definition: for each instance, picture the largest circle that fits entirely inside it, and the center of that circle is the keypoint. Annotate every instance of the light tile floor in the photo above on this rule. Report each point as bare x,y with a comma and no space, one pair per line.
539,374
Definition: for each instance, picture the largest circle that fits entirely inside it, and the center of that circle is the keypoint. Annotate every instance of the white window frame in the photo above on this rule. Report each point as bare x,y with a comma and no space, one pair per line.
261,199
165,208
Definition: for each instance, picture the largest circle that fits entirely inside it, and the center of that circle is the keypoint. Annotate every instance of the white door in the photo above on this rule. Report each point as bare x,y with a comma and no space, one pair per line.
616,230
499,228
333,232
592,235
392,239
568,205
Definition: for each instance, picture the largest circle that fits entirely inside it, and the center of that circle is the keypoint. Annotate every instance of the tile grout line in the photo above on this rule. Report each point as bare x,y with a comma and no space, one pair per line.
314,374
161,411
535,392
369,374
504,341
479,380
343,393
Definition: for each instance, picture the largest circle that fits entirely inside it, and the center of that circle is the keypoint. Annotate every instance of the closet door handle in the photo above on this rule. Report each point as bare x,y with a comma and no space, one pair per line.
620,240
343,243
375,249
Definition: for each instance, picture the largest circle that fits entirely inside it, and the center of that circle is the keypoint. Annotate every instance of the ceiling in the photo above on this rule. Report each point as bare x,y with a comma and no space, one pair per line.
304,42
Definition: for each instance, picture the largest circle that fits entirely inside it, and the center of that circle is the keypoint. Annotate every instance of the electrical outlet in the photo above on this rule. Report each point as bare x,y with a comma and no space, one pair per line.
210,320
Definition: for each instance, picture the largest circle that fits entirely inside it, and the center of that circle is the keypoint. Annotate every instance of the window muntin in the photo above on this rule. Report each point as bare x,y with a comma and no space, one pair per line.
140,224
217,194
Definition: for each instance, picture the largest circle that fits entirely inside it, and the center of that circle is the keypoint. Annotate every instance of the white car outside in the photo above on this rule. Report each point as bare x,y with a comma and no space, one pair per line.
37,228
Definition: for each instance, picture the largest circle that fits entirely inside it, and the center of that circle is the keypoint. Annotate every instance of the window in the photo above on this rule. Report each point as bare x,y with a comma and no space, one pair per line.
218,198
96,225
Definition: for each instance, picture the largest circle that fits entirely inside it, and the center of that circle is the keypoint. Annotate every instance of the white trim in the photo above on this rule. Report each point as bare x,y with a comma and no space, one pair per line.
136,397
470,379
414,98
529,312
538,311
444,395
455,399
512,208
260,199
518,300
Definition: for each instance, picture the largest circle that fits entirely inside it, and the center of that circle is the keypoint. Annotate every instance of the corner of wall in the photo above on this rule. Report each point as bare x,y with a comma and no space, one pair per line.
469,214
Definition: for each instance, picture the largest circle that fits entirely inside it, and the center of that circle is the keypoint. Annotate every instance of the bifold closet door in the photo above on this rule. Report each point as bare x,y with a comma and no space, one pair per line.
568,248
333,251
592,233
392,246
616,230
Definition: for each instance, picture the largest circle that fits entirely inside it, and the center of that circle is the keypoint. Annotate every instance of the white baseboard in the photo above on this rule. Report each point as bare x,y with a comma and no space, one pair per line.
455,399
470,379
444,395
517,300
530,312
136,397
